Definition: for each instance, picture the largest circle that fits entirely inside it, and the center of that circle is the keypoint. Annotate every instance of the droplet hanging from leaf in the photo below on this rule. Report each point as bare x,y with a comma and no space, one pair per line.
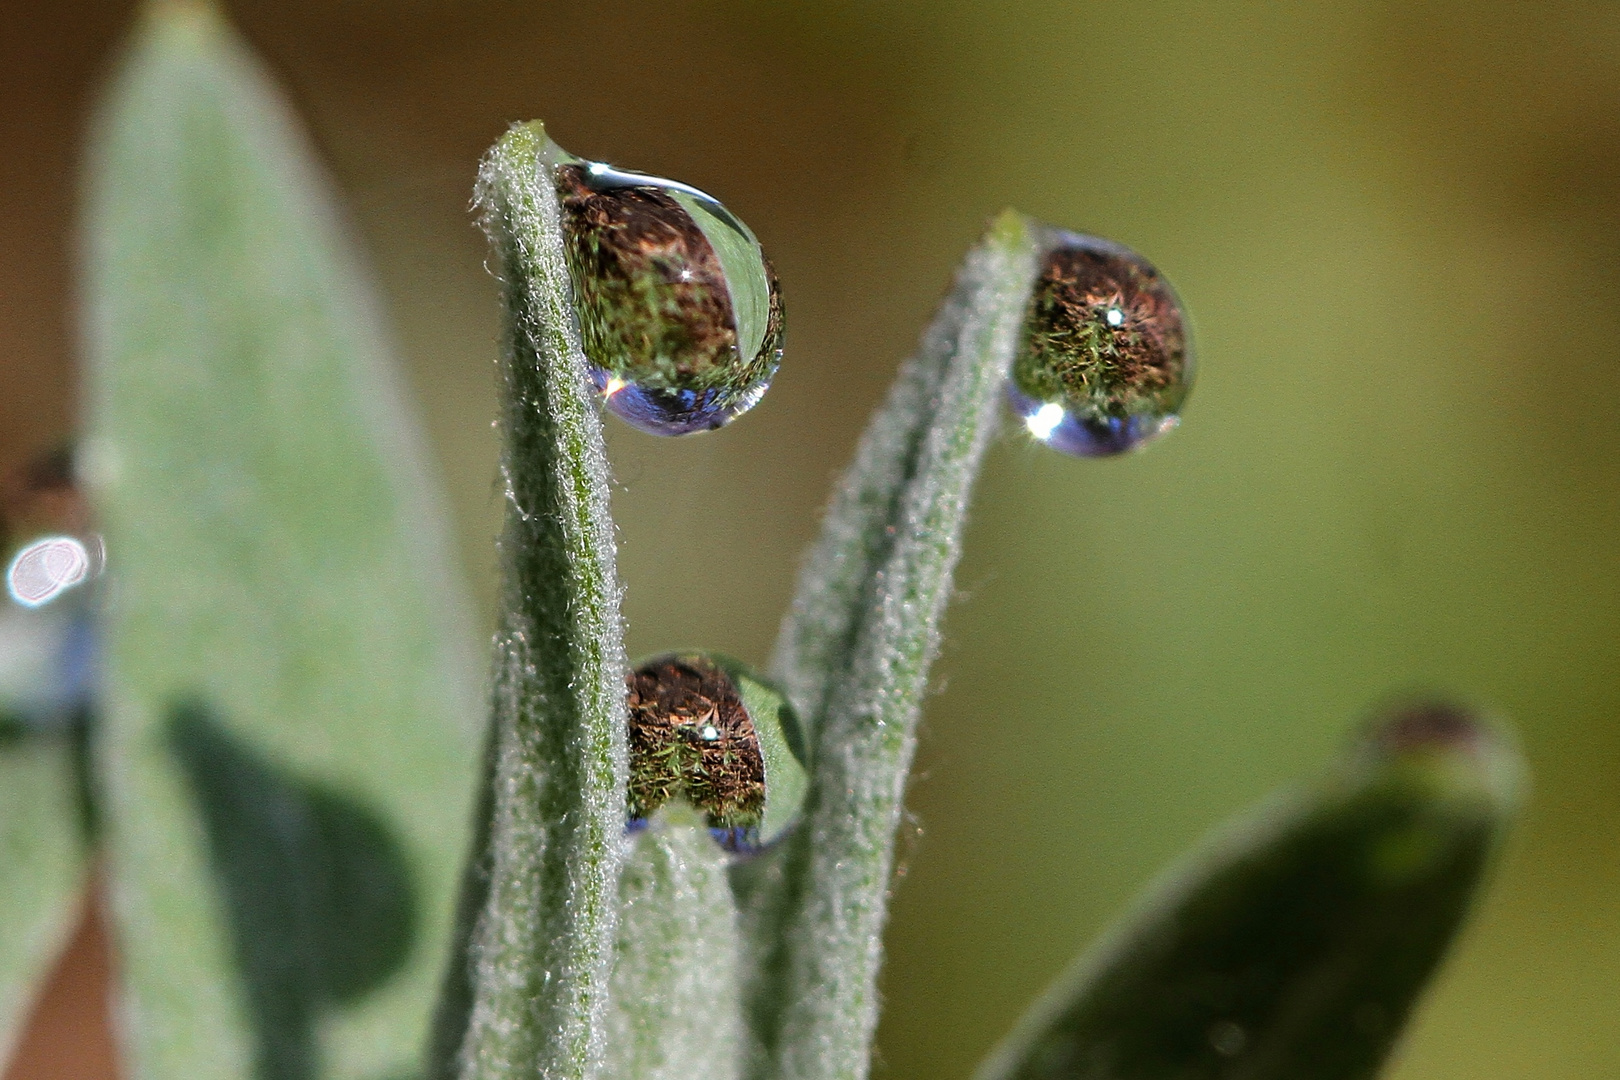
706,729
1105,361
680,312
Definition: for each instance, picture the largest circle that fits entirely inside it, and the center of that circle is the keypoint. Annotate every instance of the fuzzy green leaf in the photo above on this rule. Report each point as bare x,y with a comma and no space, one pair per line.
542,950
279,562
675,1012
854,656
1293,946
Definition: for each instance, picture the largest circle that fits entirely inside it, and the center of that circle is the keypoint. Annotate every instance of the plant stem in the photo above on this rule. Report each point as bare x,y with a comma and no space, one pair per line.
543,948
855,652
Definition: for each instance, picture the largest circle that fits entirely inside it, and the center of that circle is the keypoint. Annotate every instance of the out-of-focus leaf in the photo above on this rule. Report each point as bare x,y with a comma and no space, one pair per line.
275,548
674,1012
319,896
1295,945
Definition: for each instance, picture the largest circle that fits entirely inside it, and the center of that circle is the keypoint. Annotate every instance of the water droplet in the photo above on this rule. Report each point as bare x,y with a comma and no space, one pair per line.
679,309
1227,1039
44,569
706,729
1105,363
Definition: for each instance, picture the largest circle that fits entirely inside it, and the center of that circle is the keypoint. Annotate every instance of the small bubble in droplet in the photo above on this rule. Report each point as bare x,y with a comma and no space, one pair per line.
705,729
680,313
1227,1039
1104,364
44,569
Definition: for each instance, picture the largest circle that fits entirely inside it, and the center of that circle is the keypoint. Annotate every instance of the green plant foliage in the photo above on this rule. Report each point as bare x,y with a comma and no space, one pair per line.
675,1012
543,947
854,657
319,894
1294,945
281,563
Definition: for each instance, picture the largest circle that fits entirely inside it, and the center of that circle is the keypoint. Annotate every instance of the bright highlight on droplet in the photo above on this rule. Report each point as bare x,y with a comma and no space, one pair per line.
1044,420
48,567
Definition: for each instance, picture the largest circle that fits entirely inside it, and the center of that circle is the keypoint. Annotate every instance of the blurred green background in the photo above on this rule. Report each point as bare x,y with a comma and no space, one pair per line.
1397,226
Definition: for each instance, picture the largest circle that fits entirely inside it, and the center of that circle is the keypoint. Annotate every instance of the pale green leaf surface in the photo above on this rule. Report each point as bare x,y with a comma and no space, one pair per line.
541,953
1294,943
278,559
675,1012
854,656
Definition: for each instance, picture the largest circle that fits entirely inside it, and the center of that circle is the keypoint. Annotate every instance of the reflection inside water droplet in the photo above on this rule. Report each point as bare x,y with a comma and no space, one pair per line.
705,730
1104,364
680,312
50,566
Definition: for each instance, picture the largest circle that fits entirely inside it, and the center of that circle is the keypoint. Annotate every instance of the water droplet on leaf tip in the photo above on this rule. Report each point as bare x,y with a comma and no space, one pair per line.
1104,360
680,312
705,729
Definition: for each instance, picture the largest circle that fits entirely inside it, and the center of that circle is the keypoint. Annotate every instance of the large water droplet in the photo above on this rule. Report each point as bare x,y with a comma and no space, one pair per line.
1105,361
706,729
679,310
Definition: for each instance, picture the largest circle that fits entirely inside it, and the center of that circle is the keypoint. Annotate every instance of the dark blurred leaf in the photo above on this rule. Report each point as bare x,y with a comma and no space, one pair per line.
1295,945
318,891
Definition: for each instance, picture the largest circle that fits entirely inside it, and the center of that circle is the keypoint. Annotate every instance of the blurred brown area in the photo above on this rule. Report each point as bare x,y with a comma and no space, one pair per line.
69,1035
1395,225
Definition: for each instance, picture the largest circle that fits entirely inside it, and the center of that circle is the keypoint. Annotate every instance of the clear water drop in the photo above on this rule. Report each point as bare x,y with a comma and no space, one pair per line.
679,309
1105,361
705,729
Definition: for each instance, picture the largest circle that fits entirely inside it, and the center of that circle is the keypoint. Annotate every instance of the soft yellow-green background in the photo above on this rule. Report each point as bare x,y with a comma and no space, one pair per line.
1397,226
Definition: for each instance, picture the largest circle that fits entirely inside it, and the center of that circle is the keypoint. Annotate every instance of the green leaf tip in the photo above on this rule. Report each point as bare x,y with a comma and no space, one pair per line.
1294,946
541,952
853,656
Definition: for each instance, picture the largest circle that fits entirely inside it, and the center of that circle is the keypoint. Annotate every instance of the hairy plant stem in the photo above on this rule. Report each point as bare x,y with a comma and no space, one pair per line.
542,950
854,655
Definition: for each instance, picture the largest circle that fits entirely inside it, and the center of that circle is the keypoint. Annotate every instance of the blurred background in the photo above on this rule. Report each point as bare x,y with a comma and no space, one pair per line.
1397,227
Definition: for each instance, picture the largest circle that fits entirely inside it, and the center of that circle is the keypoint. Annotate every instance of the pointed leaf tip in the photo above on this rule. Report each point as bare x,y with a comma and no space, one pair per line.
1295,944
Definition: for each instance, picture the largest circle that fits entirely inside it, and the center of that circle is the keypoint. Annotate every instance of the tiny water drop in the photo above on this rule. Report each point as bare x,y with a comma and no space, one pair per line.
49,566
680,312
1104,364
705,729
